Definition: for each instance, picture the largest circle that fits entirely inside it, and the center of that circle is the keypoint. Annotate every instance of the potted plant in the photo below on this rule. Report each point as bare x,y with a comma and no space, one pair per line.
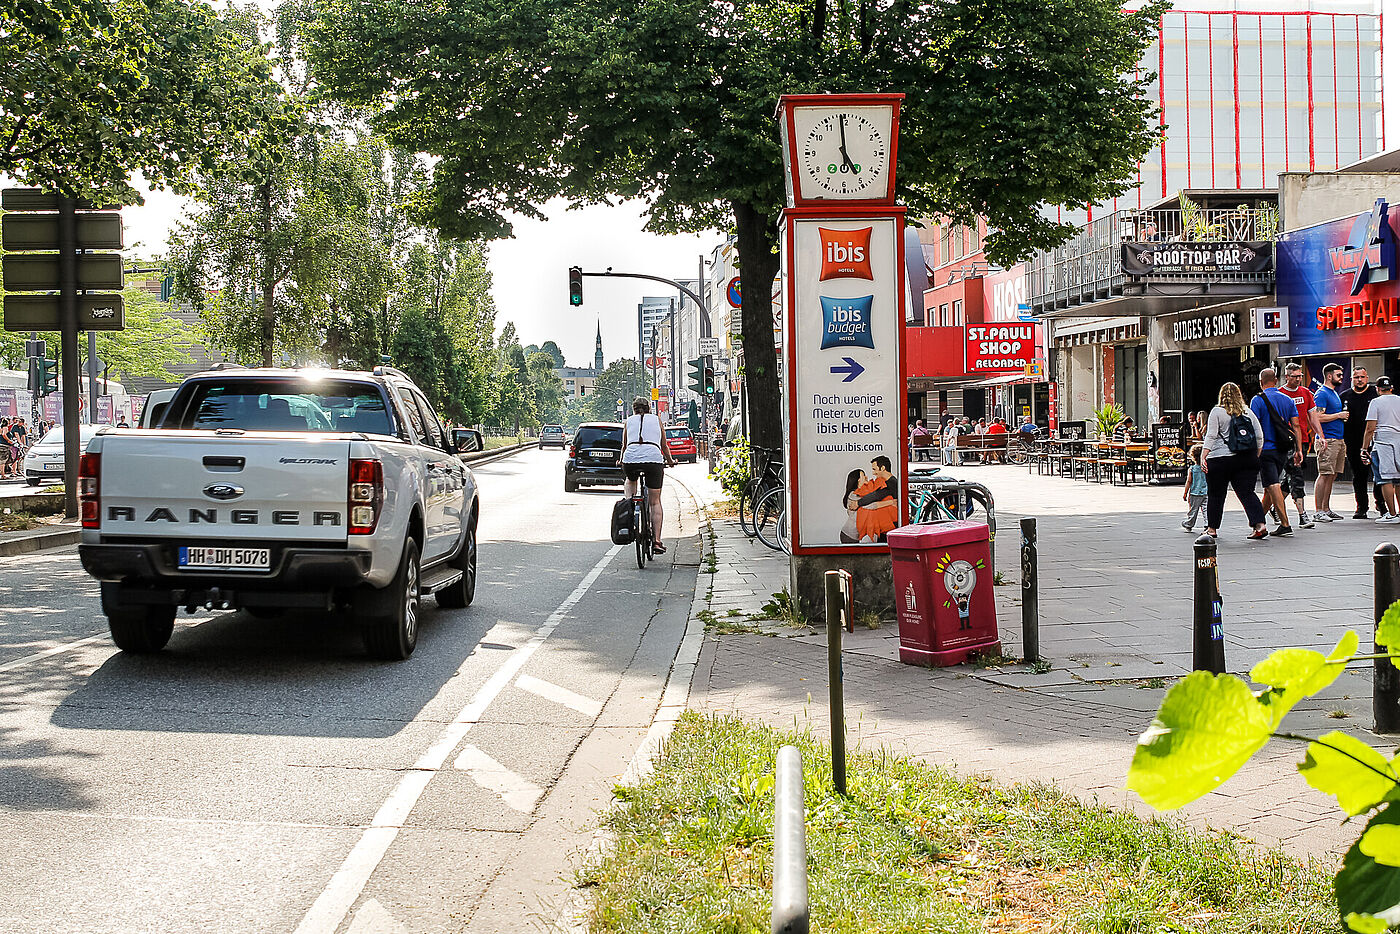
1107,419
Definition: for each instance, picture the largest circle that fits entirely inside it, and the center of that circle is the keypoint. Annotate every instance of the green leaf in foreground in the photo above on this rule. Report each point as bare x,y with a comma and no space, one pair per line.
1294,674
1344,767
1388,629
1366,889
1208,726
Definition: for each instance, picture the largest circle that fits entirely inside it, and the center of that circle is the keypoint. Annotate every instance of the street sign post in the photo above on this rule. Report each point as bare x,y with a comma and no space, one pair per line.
60,228
709,346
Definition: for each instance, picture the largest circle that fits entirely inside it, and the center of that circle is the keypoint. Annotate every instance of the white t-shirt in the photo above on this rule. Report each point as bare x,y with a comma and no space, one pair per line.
643,440
1385,409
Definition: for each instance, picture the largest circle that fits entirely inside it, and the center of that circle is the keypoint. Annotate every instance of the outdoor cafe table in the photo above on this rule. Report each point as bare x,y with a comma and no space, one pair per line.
1127,450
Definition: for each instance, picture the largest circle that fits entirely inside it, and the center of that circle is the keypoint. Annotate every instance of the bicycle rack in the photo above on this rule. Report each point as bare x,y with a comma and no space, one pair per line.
967,493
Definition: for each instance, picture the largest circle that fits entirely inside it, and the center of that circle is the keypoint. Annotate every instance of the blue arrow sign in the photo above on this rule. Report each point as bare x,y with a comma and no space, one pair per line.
851,369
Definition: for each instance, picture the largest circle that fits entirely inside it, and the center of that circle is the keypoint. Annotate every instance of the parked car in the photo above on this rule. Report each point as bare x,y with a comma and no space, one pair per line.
680,443
595,456
553,436
154,411
275,490
44,461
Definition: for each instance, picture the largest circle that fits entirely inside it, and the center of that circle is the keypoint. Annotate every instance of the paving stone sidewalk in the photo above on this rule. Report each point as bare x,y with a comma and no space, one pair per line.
1115,599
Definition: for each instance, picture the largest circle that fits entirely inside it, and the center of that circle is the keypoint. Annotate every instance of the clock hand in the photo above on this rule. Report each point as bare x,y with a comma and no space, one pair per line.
844,156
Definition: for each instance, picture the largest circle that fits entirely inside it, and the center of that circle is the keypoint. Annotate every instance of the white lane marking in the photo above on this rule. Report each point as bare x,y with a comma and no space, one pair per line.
335,901
53,650
518,792
374,918
553,692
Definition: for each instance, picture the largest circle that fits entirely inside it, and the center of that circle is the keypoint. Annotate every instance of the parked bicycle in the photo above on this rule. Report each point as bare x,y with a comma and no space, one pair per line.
767,476
770,520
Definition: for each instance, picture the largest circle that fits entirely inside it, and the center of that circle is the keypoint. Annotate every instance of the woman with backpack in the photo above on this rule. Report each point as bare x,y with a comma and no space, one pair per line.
1233,441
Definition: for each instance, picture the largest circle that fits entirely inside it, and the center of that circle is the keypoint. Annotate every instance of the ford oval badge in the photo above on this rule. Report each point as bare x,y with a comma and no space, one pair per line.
223,491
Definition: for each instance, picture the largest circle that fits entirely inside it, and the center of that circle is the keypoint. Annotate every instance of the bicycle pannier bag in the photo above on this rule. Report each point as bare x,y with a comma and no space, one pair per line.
1240,439
622,530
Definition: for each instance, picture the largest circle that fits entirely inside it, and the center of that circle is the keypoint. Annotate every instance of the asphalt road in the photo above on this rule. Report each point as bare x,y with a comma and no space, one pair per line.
264,776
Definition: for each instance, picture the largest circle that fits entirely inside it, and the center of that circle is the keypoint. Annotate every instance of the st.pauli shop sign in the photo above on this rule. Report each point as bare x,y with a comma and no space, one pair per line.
1150,259
1338,281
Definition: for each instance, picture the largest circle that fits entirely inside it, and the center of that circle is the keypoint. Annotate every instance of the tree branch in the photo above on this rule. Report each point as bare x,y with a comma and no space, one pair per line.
1308,739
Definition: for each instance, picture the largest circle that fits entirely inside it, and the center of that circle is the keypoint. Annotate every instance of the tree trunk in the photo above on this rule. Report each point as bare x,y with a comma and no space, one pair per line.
269,314
758,264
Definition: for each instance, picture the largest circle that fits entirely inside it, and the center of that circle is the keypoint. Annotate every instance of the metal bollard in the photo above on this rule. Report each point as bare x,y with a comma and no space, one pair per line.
835,604
1208,641
790,911
1385,690
1030,592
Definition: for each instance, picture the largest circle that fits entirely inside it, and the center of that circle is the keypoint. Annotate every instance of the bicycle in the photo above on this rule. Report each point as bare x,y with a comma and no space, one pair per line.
771,522
641,522
768,477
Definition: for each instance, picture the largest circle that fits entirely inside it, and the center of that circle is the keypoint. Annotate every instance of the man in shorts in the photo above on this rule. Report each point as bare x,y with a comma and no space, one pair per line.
1330,415
1303,399
1279,448
1381,446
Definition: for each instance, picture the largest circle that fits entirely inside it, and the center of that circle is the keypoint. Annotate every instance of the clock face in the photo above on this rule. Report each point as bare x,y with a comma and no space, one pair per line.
846,155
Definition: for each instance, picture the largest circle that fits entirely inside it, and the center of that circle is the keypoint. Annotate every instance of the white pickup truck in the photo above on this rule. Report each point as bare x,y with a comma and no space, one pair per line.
277,489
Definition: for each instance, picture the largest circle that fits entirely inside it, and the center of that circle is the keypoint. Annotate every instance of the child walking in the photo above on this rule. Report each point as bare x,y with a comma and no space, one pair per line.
1195,492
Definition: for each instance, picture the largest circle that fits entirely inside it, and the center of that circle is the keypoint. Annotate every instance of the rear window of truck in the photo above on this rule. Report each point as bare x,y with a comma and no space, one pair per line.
323,405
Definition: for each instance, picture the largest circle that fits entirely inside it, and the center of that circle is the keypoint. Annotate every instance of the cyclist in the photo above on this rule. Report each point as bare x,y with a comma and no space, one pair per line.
643,453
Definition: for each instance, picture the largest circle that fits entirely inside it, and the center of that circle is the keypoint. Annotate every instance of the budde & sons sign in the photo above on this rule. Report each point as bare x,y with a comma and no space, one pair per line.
1150,259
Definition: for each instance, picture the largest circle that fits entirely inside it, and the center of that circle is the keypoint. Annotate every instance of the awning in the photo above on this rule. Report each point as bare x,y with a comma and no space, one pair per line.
1006,380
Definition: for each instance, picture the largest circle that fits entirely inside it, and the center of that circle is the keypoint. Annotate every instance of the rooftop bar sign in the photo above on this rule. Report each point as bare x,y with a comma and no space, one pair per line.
1153,259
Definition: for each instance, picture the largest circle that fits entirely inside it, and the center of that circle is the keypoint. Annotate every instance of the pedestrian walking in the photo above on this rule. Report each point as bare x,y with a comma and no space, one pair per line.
1357,400
1331,416
1233,442
8,458
1194,493
1380,446
1305,405
1282,443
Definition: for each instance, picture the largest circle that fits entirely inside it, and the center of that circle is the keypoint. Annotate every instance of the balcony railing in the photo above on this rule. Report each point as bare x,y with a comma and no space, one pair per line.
1089,267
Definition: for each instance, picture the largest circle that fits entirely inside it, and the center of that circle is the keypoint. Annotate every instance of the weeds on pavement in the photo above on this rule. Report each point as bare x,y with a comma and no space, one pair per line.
915,848
785,608
17,521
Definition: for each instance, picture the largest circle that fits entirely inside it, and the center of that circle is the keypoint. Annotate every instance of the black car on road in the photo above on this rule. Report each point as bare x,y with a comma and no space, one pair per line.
595,456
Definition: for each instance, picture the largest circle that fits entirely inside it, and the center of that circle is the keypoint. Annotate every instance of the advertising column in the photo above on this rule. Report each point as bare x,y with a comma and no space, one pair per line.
847,405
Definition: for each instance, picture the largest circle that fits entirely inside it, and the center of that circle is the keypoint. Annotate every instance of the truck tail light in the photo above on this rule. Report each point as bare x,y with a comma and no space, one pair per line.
366,494
89,488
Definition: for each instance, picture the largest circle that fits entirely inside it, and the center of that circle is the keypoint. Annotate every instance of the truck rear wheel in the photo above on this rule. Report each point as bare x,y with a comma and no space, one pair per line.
141,630
390,616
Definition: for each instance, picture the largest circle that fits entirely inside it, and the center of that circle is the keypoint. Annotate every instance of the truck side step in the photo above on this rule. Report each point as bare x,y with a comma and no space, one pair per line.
439,578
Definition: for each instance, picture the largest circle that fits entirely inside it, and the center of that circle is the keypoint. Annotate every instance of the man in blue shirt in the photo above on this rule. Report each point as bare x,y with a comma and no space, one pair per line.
1281,445
1331,447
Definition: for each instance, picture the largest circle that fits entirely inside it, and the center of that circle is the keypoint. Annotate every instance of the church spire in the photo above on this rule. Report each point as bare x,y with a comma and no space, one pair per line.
598,350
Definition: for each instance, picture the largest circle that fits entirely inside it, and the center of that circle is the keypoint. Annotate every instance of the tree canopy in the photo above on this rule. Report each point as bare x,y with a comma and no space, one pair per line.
1011,106
97,89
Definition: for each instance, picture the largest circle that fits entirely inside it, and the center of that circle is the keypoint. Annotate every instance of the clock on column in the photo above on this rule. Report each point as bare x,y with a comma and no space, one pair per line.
839,147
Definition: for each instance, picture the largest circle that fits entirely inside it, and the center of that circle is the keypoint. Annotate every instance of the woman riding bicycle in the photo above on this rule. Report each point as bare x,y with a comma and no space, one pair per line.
643,453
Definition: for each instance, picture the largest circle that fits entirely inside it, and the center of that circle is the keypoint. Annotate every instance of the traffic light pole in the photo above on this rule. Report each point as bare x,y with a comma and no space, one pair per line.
705,327
68,349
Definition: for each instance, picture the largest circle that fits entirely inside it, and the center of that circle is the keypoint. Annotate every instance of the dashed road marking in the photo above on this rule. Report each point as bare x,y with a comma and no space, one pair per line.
519,793
374,918
335,901
553,692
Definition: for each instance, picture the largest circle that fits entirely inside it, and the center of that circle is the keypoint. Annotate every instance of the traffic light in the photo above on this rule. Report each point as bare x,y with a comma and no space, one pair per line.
48,376
697,374
709,381
575,285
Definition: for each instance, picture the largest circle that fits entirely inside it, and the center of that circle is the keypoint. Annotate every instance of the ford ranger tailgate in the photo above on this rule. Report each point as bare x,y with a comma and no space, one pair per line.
211,487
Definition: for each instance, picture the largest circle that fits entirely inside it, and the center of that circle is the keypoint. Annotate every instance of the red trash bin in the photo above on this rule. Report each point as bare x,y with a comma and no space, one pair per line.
943,593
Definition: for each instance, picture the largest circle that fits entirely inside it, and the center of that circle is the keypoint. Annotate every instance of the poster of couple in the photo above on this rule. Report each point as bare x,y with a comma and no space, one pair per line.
871,502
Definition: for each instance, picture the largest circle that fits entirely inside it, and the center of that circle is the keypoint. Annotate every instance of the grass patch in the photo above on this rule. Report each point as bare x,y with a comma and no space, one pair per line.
726,508
916,849
869,619
17,521
785,608
494,443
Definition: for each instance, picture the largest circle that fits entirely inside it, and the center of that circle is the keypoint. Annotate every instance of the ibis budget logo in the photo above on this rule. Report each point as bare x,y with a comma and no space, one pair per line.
845,254
846,322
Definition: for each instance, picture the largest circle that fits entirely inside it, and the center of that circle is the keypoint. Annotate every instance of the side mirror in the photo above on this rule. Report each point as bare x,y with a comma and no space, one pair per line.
467,440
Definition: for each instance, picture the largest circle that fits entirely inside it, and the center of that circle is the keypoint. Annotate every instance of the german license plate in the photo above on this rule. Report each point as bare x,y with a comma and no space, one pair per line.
53,466
215,557
603,455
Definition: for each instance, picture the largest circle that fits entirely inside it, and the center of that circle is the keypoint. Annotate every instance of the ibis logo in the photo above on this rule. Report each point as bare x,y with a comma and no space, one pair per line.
845,254
846,322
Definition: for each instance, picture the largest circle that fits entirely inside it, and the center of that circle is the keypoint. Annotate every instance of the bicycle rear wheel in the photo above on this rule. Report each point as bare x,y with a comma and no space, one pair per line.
768,514
747,501
642,524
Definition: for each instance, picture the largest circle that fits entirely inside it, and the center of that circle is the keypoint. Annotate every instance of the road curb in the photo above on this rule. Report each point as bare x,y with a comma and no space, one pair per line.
40,540
500,454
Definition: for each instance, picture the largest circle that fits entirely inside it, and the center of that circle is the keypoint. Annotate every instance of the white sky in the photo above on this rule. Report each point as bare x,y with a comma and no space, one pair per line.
530,272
